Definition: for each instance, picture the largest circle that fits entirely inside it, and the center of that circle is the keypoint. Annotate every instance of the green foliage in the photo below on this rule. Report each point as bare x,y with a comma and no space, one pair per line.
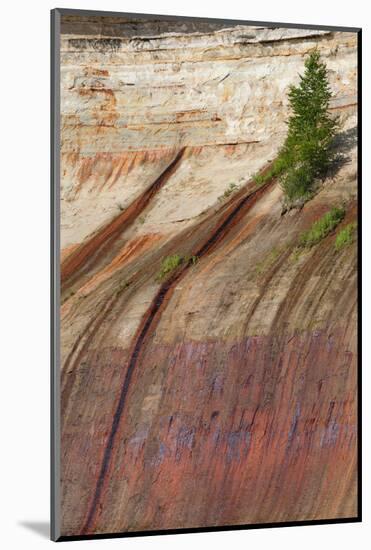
169,264
297,183
260,179
306,153
279,166
190,260
232,187
296,254
322,227
345,236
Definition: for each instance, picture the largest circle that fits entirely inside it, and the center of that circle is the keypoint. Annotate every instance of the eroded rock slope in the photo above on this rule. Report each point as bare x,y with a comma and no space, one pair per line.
224,394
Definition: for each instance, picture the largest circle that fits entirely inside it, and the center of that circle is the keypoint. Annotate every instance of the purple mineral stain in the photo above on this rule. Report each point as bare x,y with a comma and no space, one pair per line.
238,444
330,434
185,440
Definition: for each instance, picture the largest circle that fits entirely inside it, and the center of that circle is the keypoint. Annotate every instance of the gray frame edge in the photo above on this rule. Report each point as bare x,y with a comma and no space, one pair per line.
55,507
55,275
269,24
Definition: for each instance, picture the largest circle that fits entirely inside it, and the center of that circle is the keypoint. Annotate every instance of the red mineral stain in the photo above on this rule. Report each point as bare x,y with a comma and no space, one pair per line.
105,236
213,432
267,450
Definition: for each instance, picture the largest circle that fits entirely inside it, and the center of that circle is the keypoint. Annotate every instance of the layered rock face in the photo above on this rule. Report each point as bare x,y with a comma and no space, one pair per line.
224,394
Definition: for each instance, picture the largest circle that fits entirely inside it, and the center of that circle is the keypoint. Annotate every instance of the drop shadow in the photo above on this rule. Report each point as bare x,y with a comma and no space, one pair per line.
346,140
342,144
41,528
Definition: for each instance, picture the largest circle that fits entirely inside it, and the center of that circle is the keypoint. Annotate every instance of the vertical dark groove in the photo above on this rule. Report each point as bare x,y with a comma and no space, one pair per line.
68,380
96,246
219,232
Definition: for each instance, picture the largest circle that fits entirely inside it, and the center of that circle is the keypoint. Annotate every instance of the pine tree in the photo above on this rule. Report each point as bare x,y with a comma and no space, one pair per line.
311,129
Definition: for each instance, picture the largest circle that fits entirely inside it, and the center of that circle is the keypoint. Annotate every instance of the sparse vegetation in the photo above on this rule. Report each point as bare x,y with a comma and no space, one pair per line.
277,168
192,260
295,255
322,227
169,264
231,188
269,260
345,236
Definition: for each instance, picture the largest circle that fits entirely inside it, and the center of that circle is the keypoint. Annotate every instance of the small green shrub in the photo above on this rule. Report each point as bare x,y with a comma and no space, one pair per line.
169,264
297,183
345,236
322,227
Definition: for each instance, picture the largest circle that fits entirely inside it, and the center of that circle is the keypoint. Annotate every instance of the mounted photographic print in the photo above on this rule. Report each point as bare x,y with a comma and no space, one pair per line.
205,239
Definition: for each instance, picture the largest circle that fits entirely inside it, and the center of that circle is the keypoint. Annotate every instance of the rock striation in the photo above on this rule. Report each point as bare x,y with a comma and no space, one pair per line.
226,393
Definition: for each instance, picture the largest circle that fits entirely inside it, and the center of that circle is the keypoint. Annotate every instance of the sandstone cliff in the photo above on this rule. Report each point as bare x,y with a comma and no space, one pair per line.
224,394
